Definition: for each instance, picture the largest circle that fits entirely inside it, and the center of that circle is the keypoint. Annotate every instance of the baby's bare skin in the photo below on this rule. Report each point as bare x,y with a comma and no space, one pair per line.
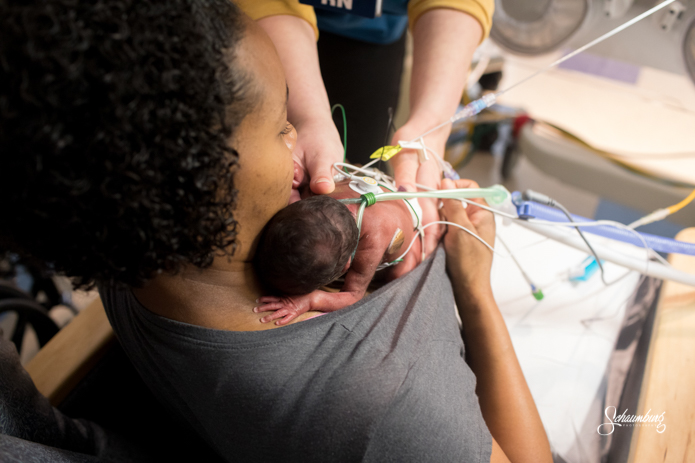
380,224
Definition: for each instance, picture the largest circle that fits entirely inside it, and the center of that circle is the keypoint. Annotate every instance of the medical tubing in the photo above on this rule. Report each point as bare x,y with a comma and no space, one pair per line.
511,254
377,175
653,269
661,214
649,254
351,200
464,200
528,209
470,110
531,195
370,163
447,168
475,107
463,193
656,216
586,241
591,44
682,204
360,213
441,222
494,194
369,198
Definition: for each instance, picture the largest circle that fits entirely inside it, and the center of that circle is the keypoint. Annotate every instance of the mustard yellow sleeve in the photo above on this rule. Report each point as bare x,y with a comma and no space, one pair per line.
481,10
258,9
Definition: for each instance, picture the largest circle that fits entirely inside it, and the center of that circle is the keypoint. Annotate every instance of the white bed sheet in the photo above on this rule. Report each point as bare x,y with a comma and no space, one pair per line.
565,341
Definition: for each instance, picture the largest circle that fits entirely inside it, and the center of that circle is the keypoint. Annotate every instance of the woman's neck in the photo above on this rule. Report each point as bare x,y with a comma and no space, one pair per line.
221,297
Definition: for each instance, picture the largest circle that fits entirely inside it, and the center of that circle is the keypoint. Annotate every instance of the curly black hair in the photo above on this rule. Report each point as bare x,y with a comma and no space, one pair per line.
306,245
115,121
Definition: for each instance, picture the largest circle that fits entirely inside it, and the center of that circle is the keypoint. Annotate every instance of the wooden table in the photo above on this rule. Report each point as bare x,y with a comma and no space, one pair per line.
62,363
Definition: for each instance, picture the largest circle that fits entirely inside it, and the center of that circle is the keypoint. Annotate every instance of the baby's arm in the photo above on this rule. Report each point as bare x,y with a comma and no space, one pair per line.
361,272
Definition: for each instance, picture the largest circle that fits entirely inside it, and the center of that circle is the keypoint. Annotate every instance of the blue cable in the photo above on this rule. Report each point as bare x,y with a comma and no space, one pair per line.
529,210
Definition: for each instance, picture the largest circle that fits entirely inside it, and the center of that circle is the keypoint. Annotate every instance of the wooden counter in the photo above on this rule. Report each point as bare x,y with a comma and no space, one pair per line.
669,378
60,365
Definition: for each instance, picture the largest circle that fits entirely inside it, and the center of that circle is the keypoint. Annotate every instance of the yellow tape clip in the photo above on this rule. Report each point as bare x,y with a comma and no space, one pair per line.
386,153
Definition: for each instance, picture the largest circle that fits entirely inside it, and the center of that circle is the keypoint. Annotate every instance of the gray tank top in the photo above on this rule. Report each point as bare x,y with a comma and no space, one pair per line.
382,380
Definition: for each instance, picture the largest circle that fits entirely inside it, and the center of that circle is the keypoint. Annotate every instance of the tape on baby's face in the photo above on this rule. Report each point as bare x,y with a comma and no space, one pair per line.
396,242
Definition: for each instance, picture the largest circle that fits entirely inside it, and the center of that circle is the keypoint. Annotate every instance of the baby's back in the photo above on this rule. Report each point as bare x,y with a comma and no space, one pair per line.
389,222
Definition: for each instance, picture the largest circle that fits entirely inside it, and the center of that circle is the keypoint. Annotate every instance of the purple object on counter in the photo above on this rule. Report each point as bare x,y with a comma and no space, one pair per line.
603,67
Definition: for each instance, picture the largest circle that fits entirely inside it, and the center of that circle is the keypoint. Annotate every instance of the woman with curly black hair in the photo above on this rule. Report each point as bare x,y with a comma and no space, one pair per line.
144,145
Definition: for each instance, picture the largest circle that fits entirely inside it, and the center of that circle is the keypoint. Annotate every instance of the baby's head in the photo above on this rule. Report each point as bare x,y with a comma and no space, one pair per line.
306,245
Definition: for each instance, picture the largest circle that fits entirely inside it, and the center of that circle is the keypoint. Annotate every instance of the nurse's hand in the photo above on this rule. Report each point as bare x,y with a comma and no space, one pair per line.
318,147
408,171
308,109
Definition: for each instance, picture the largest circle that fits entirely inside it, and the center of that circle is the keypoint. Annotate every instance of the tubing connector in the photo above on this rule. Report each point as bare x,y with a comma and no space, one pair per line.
475,107
659,214
369,198
537,293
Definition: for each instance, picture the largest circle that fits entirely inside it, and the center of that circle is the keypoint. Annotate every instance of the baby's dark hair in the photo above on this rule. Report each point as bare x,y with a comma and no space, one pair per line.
306,245
115,121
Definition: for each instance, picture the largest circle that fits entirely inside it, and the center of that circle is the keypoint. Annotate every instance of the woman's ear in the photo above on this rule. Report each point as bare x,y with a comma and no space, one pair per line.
299,176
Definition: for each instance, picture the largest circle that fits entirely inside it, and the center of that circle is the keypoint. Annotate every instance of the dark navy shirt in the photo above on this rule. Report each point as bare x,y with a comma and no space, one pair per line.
387,28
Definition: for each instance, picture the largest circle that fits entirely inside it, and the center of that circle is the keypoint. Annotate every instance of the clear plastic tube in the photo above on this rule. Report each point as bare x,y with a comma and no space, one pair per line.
475,107
470,110
495,194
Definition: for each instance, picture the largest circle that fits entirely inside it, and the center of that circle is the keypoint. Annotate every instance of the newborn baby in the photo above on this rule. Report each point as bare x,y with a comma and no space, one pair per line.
309,244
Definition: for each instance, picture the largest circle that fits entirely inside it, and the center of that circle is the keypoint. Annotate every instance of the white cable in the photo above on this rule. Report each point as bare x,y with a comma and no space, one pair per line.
654,269
657,215
455,225
488,208
376,174
437,157
518,264
651,253
490,98
594,224
592,43
657,270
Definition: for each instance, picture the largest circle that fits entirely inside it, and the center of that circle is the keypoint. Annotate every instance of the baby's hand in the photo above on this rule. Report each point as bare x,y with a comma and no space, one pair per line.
287,308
